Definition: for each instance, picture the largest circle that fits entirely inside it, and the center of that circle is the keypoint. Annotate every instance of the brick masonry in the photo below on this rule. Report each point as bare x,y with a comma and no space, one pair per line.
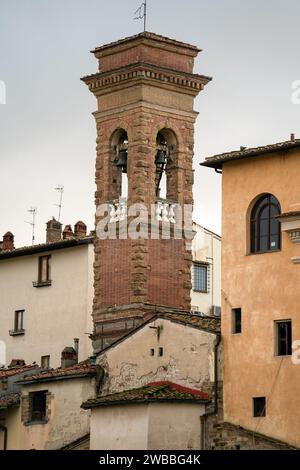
145,86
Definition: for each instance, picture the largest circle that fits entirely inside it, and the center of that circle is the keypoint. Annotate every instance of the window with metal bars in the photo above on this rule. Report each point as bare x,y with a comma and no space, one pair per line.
200,277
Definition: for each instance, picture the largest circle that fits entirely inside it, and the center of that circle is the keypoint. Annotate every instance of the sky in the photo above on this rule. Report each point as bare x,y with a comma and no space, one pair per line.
47,133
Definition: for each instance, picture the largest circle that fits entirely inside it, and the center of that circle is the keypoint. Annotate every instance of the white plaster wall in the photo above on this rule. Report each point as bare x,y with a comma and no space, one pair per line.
188,357
206,247
175,426
54,315
154,426
67,421
119,427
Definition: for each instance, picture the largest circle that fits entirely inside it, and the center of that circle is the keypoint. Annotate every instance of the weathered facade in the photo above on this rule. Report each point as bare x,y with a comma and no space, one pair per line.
260,288
158,382
145,90
45,414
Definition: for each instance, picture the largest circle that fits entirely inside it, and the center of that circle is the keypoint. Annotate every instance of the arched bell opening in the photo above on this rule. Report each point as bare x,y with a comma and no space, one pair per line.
119,164
165,163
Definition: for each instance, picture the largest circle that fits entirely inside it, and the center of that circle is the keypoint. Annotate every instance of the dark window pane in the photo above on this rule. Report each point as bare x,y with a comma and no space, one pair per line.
284,338
265,229
259,407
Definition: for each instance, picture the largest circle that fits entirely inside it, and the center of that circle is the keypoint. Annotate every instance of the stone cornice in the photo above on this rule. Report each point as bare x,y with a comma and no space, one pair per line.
145,106
147,72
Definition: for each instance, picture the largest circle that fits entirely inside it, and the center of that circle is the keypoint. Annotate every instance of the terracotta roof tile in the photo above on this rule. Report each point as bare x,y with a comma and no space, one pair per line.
216,161
153,392
147,35
79,370
5,373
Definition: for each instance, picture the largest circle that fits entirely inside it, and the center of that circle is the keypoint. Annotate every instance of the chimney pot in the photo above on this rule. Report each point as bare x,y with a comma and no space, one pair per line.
54,229
80,229
68,357
68,232
292,137
8,242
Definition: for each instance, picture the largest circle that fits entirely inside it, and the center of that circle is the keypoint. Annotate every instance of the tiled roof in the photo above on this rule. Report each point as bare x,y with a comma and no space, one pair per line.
147,35
5,373
153,392
216,161
212,324
30,250
10,400
82,369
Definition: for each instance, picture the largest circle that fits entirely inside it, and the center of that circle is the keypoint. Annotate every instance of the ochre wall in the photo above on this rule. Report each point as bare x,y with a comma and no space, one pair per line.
266,287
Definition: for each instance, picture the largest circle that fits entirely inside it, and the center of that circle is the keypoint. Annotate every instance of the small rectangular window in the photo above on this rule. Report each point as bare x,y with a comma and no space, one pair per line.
38,406
283,338
44,268
236,321
200,272
19,320
152,352
161,352
45,362
259,407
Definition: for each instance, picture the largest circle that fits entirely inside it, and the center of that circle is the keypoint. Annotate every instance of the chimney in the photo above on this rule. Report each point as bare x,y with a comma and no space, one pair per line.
68,232
80,229
54,229
292,137
8,242
76,347
68,357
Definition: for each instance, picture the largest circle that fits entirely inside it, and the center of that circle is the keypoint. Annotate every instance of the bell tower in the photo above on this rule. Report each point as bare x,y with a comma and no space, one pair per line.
145,90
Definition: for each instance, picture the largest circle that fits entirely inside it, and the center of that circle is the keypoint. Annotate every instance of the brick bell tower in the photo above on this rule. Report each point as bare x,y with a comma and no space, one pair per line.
145,89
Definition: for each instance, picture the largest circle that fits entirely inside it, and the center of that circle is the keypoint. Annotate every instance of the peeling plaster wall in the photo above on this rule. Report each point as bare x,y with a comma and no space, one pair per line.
188,357
67,421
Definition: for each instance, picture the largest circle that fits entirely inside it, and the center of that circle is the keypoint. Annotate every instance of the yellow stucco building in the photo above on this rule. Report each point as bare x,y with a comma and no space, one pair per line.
260,288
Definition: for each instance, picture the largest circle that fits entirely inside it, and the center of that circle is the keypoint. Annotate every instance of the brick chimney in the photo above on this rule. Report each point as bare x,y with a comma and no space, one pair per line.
68,232
54,229
69,357
80,229
8,242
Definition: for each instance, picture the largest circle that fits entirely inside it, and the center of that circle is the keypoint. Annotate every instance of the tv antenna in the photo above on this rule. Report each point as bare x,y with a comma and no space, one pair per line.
141,13
60,189
33,212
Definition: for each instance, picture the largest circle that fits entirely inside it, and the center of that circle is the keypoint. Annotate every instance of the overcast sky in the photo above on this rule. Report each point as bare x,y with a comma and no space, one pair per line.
47,136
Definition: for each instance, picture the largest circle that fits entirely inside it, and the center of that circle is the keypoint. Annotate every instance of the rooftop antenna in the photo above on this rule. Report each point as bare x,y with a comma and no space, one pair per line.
60,189
33,212
141,13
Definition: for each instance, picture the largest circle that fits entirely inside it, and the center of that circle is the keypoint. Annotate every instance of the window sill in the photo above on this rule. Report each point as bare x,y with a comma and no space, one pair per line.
41,283
201,291
263,252
16,333
32,423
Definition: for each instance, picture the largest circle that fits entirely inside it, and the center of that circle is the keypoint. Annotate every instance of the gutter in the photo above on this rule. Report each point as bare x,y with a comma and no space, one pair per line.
4,429
203,418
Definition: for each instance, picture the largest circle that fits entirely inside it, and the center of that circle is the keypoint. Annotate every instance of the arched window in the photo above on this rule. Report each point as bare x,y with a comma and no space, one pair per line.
265,228
165,162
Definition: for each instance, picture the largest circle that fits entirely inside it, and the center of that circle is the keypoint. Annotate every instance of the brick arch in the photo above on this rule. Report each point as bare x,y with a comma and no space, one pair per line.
168,126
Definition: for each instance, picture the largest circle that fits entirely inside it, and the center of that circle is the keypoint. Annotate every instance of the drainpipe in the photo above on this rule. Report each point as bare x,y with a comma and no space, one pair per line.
4,429
76,347
204,417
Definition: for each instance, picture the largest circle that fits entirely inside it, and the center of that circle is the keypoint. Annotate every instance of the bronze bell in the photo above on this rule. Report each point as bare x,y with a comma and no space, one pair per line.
122,160
160,157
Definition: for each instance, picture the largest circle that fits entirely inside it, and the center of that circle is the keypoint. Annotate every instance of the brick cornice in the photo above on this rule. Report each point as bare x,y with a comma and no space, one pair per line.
145,72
